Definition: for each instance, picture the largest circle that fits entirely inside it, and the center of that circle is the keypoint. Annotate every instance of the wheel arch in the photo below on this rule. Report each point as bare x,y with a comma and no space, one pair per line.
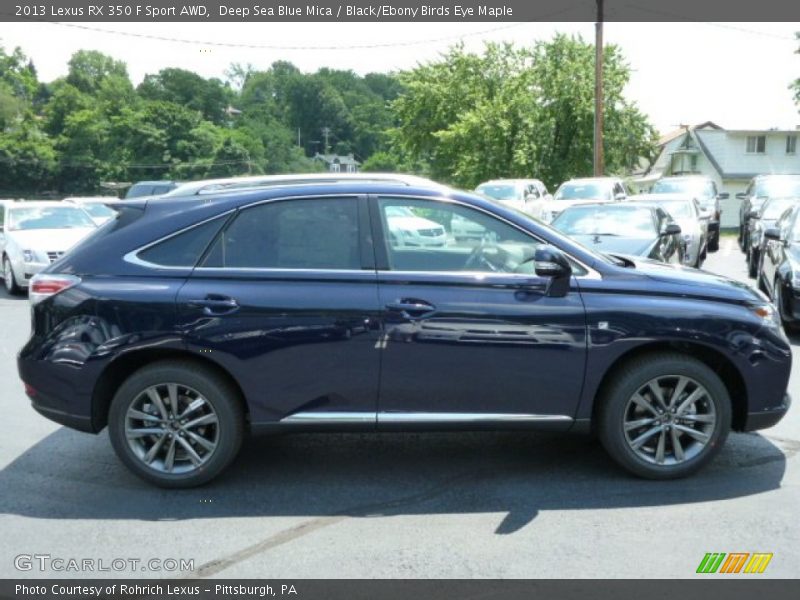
715,360
123,367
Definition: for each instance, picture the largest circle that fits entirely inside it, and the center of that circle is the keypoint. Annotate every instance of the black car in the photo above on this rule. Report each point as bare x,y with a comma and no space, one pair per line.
758,191
184,324
630,228
704,190
759,221
779,271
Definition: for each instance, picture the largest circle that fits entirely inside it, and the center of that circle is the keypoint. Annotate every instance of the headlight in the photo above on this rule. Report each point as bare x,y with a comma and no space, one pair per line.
406,233
28,256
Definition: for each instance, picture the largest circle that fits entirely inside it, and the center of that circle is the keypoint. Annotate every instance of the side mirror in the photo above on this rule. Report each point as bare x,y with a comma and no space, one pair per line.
753,214
741,195
773,233
671,229
723,196
619,196
551,262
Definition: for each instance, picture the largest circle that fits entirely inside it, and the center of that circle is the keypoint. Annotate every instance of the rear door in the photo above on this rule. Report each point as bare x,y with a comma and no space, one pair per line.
286,300
469,334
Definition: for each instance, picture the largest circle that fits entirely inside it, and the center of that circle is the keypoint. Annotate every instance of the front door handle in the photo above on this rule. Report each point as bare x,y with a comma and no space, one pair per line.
411,308
216,304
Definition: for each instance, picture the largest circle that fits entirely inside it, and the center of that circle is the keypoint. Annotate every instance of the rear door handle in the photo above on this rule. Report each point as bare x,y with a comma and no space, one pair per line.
411,308
215,304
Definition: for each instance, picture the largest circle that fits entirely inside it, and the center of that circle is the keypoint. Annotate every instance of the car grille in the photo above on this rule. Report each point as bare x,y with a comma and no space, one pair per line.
431,232
54,256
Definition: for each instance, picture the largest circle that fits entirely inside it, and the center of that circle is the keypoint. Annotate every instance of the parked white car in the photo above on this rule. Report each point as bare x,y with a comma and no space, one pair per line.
36,234
407,229
522,194
686,212
588,190
95,206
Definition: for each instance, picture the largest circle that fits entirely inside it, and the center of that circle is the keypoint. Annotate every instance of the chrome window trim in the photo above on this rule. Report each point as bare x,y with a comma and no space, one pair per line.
132,256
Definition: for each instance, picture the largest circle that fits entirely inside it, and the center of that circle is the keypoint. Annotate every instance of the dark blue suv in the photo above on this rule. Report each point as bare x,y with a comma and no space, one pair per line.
183,324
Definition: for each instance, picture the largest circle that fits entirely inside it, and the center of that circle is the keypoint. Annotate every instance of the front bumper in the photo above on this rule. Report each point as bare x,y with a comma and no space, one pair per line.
768,417
23,272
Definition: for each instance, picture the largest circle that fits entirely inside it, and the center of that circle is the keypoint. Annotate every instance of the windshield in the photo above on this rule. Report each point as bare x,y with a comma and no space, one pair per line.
700,189
775,207
778,187
679,209
500,191
624,221
583,191
97,210
47,217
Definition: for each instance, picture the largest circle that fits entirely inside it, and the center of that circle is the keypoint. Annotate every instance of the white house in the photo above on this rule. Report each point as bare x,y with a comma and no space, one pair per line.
729,156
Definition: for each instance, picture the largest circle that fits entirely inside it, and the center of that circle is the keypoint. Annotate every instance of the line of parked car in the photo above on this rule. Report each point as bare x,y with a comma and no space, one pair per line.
769,236
677,222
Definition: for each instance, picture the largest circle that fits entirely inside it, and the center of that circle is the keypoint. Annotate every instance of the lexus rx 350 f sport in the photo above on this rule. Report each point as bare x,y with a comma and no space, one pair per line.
184,324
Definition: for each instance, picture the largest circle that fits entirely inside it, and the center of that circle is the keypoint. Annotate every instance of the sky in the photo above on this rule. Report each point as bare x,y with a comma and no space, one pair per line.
735,74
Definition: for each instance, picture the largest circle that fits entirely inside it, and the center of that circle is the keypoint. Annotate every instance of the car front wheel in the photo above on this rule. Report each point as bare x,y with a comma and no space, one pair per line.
9,280
664,416
176,424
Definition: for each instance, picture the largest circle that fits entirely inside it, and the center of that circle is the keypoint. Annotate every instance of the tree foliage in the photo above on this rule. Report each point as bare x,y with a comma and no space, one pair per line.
514,112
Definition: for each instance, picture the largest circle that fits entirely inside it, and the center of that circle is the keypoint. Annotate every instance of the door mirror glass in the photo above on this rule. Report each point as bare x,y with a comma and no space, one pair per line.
552,263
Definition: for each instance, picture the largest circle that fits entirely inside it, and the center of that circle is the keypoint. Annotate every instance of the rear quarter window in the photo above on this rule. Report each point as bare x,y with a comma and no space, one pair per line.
185,248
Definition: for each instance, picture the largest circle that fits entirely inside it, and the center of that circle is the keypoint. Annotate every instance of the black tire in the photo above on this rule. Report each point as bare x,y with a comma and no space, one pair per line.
713,242
216,391
635,374
13,289
752,263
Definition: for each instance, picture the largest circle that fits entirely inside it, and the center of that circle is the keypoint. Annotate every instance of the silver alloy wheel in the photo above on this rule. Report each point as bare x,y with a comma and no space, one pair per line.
172,428
669,420
8,275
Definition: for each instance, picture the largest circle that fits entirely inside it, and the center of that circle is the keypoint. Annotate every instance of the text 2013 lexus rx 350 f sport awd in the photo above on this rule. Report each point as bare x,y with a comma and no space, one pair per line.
184,324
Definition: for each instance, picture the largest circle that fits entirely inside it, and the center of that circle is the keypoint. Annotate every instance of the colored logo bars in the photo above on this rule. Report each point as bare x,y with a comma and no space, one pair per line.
735,562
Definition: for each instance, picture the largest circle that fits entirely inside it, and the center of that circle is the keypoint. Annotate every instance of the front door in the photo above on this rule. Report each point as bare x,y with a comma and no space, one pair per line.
470,335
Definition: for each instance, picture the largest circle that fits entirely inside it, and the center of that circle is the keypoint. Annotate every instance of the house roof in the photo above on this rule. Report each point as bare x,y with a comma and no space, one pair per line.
676,133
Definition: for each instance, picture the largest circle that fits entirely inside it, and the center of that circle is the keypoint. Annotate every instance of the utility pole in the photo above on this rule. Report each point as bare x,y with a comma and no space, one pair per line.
599,166
326,131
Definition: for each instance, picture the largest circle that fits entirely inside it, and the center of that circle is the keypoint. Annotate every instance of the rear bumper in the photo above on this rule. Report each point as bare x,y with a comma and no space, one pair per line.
767,418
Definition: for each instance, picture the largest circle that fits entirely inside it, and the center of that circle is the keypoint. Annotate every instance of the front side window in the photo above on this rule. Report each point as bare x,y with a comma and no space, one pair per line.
756,144
425,235
311,233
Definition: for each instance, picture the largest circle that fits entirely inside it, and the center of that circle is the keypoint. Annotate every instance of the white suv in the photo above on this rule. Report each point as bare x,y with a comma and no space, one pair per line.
586,190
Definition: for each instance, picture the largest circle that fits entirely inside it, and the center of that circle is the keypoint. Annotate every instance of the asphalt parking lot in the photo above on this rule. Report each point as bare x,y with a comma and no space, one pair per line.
512,505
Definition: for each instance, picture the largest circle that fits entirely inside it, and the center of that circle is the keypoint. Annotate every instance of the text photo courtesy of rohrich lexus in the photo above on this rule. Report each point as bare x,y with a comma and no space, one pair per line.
185,321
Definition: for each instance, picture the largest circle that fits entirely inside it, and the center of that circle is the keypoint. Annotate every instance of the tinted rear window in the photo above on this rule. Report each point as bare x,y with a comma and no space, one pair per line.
291,234
183,249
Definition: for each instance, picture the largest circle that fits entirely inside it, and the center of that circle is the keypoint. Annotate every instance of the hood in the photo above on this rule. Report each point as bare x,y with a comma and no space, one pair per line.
616,245
49,240
687,281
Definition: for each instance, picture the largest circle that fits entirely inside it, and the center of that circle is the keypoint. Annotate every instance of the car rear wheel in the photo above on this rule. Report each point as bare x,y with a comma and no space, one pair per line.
664,416
176,424
9,280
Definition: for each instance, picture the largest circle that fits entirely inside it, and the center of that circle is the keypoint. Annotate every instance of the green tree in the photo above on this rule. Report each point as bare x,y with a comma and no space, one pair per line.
796,85
209,96
88,69
516,112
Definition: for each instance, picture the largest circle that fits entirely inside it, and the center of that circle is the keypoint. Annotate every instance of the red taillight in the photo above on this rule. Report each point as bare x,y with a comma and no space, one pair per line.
44,285
30,390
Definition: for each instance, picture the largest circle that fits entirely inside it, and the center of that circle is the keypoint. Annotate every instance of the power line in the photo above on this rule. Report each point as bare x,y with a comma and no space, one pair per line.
278,47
